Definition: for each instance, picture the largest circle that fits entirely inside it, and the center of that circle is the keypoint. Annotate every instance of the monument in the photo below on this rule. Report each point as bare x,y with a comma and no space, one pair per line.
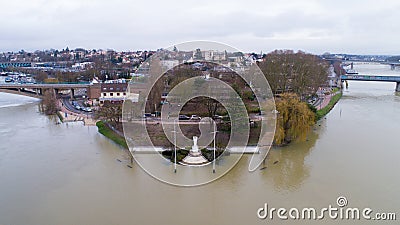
194,157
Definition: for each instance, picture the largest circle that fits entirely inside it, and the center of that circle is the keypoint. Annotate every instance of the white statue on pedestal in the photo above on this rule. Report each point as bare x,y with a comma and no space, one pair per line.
195,157
195,148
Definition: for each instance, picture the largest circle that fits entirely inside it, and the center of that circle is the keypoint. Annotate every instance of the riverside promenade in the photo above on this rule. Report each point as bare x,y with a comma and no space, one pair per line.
68,116
325,99
326,103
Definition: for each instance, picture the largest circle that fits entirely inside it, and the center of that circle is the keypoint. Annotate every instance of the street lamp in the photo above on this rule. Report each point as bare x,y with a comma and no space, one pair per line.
174,131
215,138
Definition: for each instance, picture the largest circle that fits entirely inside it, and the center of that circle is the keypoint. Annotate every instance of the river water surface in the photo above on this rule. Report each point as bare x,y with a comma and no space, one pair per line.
54,174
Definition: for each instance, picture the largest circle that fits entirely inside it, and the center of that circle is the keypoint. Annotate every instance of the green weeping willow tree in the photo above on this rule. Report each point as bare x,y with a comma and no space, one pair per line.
294,119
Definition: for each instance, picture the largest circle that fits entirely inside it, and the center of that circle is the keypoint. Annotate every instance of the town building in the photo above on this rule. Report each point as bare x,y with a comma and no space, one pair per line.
100,93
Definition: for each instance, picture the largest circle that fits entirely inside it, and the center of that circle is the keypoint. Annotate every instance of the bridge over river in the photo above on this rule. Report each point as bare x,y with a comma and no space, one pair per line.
38,88
15,64
361,77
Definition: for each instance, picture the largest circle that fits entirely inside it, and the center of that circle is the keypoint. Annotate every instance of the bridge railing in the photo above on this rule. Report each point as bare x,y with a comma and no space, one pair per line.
62,82
371,78
44,83
15,64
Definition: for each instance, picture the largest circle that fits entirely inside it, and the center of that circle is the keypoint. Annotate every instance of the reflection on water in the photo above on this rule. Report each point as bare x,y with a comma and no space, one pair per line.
288,168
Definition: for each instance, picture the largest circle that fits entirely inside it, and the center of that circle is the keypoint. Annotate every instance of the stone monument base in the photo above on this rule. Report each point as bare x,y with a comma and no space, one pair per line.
194,160
194,157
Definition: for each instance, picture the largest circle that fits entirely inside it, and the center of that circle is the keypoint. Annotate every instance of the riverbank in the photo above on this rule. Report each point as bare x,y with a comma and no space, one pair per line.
117,138
327,105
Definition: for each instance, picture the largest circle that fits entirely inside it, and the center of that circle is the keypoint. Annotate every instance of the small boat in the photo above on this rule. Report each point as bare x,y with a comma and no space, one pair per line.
8,79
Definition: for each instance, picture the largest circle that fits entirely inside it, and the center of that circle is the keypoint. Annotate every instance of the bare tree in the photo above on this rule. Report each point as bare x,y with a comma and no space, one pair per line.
110,112
212,106
41,76
49,103
299,72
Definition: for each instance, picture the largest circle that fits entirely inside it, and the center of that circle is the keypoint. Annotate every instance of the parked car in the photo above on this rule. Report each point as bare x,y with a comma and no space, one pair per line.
218,117
87,109
252,123
184,117
195,117
147,115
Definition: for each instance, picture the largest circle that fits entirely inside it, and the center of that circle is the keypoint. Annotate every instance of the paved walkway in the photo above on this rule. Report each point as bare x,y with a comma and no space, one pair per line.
325,100
69,116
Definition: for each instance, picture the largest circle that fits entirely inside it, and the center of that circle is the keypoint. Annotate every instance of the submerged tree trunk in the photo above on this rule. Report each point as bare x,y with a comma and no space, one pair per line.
49,103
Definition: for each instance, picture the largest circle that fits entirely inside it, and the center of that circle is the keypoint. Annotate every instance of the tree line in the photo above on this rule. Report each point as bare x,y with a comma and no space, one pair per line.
293,77
294,72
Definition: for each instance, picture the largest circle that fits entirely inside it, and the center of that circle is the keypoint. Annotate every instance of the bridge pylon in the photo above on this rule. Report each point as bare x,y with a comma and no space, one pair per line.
72,93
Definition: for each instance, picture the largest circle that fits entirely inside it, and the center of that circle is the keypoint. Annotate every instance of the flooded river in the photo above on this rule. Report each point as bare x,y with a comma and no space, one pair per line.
55,174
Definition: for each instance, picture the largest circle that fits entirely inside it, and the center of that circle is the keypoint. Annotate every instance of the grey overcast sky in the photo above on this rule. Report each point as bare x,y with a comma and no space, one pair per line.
316,26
